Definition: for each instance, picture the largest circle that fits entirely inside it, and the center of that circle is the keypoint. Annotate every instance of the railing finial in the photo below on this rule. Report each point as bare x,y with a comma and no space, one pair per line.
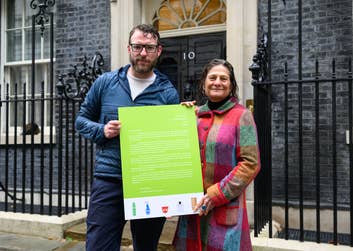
42,17
83,79
259,67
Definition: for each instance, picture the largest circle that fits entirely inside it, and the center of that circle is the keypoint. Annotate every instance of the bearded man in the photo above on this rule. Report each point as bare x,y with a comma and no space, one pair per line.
135,84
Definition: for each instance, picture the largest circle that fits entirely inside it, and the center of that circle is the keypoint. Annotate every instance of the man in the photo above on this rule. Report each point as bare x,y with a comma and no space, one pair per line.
135,84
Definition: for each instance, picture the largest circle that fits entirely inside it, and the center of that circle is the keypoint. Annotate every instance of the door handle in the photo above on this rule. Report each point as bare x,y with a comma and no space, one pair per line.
188,92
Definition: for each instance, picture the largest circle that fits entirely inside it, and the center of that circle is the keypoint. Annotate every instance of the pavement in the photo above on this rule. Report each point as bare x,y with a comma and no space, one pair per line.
74,240
18,242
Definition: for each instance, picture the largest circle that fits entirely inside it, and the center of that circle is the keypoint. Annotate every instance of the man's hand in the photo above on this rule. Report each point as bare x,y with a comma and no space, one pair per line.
112,129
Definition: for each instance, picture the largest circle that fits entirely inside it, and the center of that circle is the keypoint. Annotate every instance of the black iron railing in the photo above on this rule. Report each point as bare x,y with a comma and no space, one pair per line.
47,167
313,112
304,120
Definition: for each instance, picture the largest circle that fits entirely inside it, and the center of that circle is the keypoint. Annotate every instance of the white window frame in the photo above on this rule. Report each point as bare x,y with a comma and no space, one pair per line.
4,71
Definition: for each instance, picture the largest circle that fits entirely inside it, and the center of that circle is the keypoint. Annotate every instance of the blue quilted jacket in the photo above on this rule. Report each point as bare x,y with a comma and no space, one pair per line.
110,91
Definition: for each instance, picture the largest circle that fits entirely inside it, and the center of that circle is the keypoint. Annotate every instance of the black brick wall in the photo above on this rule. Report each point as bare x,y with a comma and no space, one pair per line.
82,28
327,35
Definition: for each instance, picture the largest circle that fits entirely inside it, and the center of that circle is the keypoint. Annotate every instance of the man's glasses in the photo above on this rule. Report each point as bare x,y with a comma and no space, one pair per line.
150,48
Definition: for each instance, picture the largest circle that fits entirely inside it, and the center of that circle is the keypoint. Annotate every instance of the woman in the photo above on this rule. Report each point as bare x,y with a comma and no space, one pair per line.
230,161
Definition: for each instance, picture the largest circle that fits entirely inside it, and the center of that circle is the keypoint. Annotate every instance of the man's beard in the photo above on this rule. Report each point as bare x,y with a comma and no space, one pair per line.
145,69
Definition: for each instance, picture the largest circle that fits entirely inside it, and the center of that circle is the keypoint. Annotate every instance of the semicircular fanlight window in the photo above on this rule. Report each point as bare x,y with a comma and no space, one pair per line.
180,14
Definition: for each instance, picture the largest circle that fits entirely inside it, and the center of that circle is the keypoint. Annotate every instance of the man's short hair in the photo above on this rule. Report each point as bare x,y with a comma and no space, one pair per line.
146,29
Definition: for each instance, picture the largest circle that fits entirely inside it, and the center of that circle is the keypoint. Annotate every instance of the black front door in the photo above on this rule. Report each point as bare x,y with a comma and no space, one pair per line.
183,59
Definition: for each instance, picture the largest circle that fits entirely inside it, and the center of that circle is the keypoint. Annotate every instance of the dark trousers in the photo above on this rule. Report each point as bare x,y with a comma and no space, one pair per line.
105,221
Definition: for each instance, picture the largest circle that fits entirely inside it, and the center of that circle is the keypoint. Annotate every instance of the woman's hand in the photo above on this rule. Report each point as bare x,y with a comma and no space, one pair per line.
188,103
204,206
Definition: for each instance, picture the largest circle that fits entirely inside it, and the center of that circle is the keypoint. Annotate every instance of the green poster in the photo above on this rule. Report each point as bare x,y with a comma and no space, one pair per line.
160,157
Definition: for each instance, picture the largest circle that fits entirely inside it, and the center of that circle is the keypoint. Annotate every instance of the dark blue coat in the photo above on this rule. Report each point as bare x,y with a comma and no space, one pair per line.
110,91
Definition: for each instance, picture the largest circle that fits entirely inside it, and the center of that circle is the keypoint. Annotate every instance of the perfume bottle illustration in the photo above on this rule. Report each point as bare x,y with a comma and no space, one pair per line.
133,209
180,207
148,210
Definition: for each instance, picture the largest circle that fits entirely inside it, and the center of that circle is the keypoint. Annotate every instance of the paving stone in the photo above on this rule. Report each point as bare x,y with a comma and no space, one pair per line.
12,242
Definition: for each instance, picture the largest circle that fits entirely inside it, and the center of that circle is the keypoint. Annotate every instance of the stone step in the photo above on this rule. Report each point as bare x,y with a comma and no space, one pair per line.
78,233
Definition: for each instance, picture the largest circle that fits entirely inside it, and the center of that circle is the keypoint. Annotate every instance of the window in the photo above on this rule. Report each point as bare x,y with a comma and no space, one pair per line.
17,71
176,14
